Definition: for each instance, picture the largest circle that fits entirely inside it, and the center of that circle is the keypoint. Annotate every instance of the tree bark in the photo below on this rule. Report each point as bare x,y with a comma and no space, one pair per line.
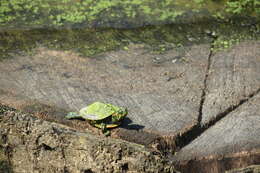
30,145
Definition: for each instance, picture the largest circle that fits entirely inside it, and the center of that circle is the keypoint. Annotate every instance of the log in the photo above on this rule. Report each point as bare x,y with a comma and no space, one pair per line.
206,104
228,134
161,92
233,142
233,78
29,145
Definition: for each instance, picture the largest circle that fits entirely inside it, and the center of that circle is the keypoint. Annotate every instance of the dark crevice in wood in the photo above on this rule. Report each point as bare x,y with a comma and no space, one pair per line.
88,171
195,131
230,109
205,81
7,151
184,139
47,147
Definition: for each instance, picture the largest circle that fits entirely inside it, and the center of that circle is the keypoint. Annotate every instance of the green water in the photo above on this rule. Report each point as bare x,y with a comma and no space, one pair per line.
92,27
118,13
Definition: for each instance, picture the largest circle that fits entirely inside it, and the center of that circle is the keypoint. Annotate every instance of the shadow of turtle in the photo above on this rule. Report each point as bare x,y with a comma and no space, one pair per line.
127,123
132,132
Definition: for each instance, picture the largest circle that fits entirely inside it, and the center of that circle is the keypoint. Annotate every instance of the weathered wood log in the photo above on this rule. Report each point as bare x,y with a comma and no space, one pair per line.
29,145
232,93
233,142
161,92
172,98
233,78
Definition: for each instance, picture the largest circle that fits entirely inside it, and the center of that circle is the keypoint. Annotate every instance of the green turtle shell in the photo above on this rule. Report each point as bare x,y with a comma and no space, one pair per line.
98,111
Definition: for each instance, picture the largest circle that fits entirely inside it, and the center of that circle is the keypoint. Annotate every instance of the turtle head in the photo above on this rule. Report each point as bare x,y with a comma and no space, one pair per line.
119,115
123,111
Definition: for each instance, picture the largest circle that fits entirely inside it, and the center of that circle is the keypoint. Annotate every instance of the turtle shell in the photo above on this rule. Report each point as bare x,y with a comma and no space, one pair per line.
98,111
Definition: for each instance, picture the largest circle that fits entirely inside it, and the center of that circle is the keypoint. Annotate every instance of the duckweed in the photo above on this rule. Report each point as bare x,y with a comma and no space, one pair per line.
116,13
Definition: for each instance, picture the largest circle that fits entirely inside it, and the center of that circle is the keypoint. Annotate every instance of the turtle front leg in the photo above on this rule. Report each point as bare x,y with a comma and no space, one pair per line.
104,129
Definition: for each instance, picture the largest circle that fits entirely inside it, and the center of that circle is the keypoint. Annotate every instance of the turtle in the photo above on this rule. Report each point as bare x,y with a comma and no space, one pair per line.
101,115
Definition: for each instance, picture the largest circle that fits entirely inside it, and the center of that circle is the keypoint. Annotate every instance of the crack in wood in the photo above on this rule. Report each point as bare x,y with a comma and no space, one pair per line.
230,109
184,139
192,134
205,81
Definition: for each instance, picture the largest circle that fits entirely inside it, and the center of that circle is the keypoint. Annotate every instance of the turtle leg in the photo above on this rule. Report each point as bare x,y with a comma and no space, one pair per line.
104,129
107,133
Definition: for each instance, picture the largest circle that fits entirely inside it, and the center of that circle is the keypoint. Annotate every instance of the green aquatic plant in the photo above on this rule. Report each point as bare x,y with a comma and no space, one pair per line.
88,12
116,13
230,35
243,6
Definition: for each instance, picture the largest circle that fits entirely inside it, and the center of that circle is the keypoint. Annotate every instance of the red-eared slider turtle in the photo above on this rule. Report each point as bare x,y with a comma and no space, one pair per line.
101,115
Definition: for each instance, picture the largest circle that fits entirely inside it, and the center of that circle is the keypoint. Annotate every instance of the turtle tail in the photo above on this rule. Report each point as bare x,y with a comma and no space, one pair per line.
72,115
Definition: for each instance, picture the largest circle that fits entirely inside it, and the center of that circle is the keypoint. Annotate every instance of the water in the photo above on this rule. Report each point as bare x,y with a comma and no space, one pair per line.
92,27
105,13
